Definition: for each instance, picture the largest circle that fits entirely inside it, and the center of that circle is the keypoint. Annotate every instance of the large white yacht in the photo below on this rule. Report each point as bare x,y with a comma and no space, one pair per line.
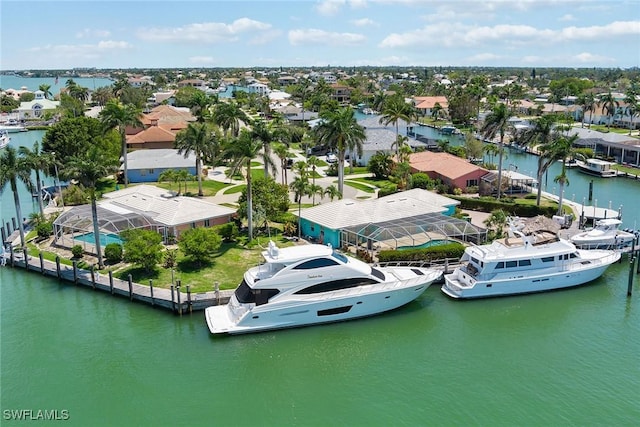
605,235
312,284
522,264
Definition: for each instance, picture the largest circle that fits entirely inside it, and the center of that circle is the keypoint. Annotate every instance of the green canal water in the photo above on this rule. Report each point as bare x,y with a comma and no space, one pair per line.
560,358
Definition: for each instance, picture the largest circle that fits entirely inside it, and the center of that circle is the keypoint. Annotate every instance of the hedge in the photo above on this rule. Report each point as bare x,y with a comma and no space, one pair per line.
449,250
515,209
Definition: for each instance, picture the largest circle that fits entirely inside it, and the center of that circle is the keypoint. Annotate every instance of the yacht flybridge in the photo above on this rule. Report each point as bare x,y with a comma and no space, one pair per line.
522,264
313,284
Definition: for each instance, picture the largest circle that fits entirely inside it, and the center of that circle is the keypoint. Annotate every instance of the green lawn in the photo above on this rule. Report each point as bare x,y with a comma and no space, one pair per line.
360,186
226,268
235,189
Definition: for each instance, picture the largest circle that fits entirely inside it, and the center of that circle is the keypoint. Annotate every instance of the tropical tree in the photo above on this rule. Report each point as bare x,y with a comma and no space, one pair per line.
588,103
14,168
395,110
261,131
609,105
339,130
47,90
37,161
436,110
183,176
200,103
497,123
229,115
168,175
300,187
197,139
378,100
102,95
332,192
87,168
283,153
241,151
541,138
632,107
118,116
380,165
313,162
562,149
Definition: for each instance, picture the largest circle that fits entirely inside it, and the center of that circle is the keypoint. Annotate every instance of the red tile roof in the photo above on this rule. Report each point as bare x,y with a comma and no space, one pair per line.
444,164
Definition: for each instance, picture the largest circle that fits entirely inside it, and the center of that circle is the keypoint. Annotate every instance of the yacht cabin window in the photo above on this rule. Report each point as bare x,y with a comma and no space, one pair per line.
511,264
547,259
336,285
316,263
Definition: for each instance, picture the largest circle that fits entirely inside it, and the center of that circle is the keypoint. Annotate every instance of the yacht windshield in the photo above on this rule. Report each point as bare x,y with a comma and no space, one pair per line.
379,274
337,255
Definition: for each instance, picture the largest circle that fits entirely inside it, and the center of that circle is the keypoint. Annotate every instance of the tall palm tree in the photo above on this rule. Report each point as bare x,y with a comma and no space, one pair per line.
229,115
541,137
200,105
168,175
632,107
261,131
497,123
87,168
340,131
300,186
37,161
117,116
609,105
47,90
394,110
313,162
304,89
283,153
13,168
197,139
562,149
588,103
241,151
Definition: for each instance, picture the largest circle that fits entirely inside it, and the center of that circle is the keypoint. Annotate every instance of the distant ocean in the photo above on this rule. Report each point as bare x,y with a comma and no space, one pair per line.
33,83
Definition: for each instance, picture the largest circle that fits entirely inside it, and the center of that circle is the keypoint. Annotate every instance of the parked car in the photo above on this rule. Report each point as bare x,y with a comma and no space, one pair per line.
331,158
318,150
289,163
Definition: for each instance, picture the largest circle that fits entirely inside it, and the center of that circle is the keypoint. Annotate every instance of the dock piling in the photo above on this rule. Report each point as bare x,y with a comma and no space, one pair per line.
111,282
129,278
151,290
189,298
41,262
58,272
178,297
173,303
75,272
93,277
632,259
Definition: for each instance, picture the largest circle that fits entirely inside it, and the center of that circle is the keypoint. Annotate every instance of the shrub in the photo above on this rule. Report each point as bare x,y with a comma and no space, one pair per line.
170,258
113,253
75,195
44,229
422,180
77,251
228,231
387,189
450,250
289,229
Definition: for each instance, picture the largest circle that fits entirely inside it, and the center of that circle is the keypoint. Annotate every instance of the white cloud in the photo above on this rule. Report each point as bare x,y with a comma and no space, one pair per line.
567,17
89,32
314,36
332,7
459,35
81,51
364,22
483,57
589,58
207,32
201,60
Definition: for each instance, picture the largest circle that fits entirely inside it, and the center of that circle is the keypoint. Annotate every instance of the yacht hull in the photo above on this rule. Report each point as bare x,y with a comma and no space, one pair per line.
306,310
460,286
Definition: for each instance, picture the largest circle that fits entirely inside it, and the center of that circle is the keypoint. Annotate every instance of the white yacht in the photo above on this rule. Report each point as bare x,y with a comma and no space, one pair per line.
4,138
597,167
522,264
605,235
312,284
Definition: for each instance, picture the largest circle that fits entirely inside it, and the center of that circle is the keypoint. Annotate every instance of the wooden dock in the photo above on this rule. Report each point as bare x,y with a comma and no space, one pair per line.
178,299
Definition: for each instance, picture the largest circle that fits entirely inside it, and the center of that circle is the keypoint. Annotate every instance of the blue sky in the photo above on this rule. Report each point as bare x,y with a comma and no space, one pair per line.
179,34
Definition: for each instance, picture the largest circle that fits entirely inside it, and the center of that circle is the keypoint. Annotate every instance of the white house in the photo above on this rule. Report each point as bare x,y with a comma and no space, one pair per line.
259,88
36,108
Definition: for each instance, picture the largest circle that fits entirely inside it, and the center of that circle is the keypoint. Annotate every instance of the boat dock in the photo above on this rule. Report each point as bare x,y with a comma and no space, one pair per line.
179,299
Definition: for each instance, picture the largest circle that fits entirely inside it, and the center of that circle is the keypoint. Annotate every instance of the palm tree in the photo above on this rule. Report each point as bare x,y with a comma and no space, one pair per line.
394,110
435,111
304,89
261,131
228,116
313,162
588,103
632,107
196,138
378,101
87,168
13,168
168,175
562,149
200,105
241,151
37,161
283,153
47,90
609,105
332,192
183,175
340,131
300,187
497,123
117,116
541,136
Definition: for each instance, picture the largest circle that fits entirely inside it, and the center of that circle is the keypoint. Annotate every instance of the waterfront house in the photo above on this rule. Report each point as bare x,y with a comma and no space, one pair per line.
425,104
341,93
155,136
451,170
623,149
407,218
146,165
37,108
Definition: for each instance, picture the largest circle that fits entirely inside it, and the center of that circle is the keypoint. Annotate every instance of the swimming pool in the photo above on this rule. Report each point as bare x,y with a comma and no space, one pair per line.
105,238
426,244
